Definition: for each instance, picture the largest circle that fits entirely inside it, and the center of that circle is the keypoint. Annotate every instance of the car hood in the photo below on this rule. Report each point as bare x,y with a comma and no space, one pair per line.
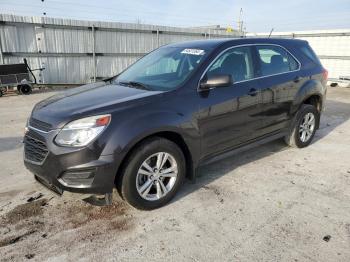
91,99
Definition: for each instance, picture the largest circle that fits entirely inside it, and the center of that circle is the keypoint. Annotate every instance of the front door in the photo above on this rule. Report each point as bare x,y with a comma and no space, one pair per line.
229,116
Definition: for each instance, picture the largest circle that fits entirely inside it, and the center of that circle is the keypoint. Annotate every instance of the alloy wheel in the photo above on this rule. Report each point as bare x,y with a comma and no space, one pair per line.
307,127
156,176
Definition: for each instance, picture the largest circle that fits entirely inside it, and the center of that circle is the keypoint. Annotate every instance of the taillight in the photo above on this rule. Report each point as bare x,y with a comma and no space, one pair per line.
325,74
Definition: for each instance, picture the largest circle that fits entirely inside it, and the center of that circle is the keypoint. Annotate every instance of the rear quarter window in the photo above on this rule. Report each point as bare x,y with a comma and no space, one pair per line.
307,50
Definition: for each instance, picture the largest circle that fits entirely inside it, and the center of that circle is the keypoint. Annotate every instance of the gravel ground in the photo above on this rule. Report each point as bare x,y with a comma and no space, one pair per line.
271,203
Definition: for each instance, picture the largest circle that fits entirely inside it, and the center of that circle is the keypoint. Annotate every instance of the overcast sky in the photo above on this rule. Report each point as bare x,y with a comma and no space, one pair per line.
258,15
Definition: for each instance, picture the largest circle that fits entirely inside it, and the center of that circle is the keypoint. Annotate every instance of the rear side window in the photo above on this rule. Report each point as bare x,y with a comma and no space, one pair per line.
275,60
307,50
237,62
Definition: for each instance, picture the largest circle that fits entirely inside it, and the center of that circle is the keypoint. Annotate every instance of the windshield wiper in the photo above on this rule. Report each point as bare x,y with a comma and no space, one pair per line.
135,84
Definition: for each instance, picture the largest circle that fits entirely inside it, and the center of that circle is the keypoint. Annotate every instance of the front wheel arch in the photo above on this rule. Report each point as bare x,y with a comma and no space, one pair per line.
170,135
124,179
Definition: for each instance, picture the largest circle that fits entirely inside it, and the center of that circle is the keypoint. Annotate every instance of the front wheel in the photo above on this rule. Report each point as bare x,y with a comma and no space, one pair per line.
152,174
304,127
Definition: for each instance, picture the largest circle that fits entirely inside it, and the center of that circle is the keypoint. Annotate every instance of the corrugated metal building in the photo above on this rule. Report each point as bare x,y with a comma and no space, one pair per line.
332,47
74,51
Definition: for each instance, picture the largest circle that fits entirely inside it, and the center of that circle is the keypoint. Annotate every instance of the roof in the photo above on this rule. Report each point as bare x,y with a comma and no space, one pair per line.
213,43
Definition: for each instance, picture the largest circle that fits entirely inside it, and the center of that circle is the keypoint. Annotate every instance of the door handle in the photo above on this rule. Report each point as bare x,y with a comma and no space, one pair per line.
253,92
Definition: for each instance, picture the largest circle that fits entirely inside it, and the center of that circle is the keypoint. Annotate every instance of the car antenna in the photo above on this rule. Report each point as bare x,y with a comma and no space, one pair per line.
270,32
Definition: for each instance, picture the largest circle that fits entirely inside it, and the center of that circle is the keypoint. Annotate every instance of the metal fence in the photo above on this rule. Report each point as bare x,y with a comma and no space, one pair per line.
75,52
331,46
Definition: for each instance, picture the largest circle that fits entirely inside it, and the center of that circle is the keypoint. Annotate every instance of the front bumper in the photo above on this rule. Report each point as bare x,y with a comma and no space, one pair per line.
80,170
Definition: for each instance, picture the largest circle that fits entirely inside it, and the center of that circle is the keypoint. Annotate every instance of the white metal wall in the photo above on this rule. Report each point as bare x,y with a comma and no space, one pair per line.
66,47
332,47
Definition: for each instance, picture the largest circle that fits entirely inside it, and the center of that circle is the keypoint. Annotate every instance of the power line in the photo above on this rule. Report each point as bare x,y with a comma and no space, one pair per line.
119,13
335,19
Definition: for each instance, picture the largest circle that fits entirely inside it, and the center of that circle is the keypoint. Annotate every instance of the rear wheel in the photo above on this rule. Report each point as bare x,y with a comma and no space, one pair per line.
304,127
152,174
26,89
1,93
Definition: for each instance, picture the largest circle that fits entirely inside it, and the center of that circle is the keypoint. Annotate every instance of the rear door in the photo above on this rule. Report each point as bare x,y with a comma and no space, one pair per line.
229,116
279,81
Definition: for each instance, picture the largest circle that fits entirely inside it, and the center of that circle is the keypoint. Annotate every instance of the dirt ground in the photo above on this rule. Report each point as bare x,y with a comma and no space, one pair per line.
271,203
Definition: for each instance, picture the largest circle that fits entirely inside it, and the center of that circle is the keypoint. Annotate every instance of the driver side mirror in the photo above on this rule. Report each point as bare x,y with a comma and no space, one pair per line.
215,81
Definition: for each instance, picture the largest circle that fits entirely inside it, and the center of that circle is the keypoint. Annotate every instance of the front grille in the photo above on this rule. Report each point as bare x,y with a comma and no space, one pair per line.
34,150
40,124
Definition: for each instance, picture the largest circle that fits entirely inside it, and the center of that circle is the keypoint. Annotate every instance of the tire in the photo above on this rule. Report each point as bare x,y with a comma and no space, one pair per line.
26,89
132,182
19,89
1,93
295,137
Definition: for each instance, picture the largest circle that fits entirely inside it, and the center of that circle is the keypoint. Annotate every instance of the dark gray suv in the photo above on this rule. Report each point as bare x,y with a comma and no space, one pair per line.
151,126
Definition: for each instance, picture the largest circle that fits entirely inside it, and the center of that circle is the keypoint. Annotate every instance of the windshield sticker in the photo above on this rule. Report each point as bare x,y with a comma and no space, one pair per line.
189,51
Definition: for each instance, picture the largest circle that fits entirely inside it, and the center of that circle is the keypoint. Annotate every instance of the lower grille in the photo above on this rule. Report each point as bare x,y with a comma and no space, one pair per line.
34,150
77,177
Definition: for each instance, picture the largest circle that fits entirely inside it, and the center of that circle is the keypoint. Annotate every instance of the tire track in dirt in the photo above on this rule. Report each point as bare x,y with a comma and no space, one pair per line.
30,223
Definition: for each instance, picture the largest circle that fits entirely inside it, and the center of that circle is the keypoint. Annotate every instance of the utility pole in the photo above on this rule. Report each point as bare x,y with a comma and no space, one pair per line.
1,55
240,21
93,29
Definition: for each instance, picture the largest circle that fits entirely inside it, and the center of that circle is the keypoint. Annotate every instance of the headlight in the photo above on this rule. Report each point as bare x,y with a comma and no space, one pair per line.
82,131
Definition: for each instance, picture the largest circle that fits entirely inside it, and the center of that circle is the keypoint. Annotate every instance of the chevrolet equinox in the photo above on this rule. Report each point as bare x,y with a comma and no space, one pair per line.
146,129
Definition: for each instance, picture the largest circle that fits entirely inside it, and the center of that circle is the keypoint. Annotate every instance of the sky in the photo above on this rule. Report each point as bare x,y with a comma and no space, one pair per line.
258,15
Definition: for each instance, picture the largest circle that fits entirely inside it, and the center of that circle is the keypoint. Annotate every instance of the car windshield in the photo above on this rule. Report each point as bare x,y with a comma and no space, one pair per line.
163,69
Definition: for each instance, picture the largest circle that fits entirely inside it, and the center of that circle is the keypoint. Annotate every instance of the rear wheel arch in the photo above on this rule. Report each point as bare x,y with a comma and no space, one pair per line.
293,136
314,100
310,93
311,88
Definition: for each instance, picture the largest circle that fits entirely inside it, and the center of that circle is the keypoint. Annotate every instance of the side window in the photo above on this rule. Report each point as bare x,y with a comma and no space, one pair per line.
237,62
275,60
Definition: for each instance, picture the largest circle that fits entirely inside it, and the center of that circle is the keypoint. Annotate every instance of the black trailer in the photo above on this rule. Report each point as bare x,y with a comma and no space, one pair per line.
19,76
